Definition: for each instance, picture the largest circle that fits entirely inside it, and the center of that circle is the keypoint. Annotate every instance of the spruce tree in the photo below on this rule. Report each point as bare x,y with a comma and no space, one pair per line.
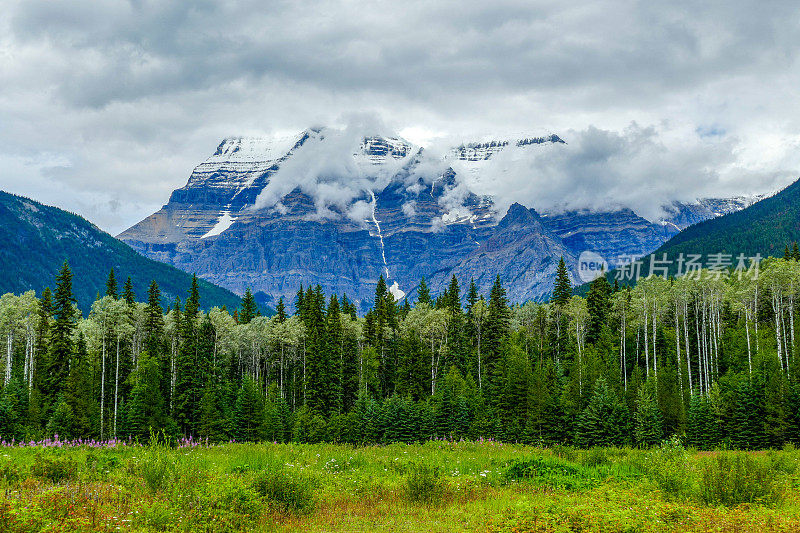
335,356
424,293
78,391
249,308
61,346
747,418
598,303
795,252
37,397
604,421
280,311
147,410
496,332
127,292
248,414
111,285
648,420
562,291
154,321
188,389
62,422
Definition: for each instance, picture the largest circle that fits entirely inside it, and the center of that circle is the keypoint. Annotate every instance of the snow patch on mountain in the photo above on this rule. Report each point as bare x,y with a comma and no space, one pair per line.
224,222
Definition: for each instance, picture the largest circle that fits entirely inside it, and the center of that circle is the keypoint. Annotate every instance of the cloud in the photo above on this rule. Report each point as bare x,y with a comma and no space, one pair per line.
641,168
330,167
130,96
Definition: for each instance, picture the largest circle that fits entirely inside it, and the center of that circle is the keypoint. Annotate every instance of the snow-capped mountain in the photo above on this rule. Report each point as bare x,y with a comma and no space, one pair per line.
340,208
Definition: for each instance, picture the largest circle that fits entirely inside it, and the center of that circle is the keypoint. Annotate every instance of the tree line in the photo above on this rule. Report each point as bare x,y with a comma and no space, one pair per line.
710,358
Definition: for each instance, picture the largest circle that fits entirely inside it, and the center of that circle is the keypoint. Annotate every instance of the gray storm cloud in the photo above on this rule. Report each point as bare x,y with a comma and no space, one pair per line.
105,107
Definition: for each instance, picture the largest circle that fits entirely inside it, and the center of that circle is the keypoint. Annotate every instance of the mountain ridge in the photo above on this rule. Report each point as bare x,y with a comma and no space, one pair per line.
340,208
36,239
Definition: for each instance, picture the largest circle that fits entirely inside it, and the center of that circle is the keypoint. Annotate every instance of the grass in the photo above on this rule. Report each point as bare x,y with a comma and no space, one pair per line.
436,486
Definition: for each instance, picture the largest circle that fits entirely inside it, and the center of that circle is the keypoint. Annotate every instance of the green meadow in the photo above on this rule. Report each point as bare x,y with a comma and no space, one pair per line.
435,486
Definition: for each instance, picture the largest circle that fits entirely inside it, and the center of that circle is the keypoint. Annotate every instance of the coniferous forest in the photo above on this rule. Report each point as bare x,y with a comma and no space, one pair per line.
710,359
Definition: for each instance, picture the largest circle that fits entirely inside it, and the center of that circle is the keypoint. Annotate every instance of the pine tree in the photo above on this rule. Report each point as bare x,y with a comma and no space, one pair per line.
127,292
249,412
249,308
111,285
648,420
795,252
147,409
598,303
423,293
61,347
280,311
496,332
604,421
787,254
562,292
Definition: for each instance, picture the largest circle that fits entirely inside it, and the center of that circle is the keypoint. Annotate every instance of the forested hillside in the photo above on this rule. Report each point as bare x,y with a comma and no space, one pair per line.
764,228
710,359
36,239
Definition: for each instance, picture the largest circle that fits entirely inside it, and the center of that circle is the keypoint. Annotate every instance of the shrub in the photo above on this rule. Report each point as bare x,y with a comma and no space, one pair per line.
288,492
55,469
734,478
9,472
668,467
552,472
424,484
156,470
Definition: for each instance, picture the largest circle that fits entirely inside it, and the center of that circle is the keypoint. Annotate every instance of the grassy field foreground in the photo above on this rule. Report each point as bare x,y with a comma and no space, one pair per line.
436,486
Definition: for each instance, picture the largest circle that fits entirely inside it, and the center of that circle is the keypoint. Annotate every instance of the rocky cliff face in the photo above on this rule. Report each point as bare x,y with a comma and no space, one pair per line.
340,209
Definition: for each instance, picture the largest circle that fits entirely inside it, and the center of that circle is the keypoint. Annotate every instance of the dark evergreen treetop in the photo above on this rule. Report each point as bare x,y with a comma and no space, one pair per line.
249,307
562,292
424,293
111,285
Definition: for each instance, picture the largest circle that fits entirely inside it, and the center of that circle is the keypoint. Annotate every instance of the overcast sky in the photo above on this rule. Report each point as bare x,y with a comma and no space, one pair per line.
105,107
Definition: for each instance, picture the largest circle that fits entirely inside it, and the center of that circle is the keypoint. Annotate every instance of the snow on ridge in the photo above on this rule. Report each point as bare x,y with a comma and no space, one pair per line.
253,149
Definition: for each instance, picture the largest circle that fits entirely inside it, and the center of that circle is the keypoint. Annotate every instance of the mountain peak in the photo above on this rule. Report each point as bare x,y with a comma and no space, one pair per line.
519,214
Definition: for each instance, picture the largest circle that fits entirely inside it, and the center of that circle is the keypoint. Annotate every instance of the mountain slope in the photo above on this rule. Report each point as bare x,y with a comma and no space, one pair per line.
765,228
35,240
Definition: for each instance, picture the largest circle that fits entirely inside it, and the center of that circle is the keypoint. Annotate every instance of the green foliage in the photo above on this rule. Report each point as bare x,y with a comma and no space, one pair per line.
54,468
669,468
424,484
562,291
62,423
552,472
648,420
734,478
604,421
287,492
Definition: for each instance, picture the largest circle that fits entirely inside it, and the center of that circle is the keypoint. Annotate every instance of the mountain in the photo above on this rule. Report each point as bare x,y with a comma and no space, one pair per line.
765,227
36,239
619,235
340,208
